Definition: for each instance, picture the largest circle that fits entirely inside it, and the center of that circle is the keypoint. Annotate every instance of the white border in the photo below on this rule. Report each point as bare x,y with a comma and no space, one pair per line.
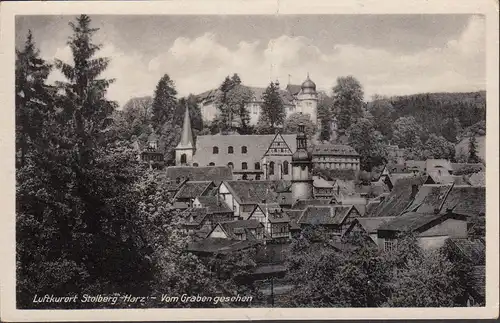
7,170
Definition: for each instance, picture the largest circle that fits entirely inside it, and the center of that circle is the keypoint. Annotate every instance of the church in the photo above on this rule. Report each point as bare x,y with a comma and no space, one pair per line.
296,98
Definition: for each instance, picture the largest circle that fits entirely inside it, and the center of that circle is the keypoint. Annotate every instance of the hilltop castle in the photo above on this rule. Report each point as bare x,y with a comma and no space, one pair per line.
296,98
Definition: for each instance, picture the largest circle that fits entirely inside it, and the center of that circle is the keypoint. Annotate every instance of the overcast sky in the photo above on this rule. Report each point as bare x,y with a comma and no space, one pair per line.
388,54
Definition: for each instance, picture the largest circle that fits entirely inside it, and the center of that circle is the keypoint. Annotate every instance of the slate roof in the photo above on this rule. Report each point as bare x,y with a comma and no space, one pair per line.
472,250
240,226
466,200
209,173
193,189
409,221
429,198
257,146
333,150
398,199
253,192
222,245
194,216
214,204
303,204
324,215
278,216
371,225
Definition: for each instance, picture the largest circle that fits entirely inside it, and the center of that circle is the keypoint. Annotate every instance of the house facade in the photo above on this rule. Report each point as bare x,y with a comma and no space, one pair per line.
330,156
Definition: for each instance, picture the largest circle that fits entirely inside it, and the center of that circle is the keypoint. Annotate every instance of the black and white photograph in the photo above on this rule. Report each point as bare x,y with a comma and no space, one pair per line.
272,161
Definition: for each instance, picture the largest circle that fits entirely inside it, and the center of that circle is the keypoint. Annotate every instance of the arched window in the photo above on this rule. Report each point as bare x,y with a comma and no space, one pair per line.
271,168
211,164
215,150
257,166
244,165
230,150
285,167
195,164
244,149
230,164
183,158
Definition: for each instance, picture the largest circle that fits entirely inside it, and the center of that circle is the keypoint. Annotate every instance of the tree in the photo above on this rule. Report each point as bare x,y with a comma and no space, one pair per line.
292,123
33,97
231,103
450,129
348,101
272,109
473,158
134,119
382,111
325,110
368,142
406,132
194,112
164,102
438,147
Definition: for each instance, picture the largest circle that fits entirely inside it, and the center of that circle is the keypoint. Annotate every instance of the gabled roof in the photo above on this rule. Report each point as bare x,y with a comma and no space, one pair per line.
214,204
325,214
231,228
209,173
419,165
253,192
319,182
466,200
193,189
303,204
430,198
411,221
333,150
278,216
398,199
433,164
194,216
371,225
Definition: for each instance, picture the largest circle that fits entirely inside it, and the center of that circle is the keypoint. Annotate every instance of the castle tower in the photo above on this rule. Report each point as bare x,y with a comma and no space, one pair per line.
308,99
185,149
302,182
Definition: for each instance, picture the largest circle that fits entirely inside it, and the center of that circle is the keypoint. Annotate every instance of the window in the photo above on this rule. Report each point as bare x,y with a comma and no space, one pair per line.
389,244
285,167
244,149
230,150
195,164
215,150
245,177
230,164
211,164
244,165
257,166
183,158
257,177
271,168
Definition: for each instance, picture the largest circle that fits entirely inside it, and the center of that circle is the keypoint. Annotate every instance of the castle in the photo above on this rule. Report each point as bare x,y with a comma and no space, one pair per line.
296,98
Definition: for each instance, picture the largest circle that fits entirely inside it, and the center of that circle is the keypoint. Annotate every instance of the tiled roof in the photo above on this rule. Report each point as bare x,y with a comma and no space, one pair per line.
278,216
321,183
472,250
409,221
256,145
214,204
303,204
399,198
371,225
222,245
466,200
240,226
209,173
293,89
253,192
430,197
193,189
432,164
416,164
324,215
194,216
333,150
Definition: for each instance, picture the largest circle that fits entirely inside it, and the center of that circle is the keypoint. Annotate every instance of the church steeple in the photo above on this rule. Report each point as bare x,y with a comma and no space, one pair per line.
185,149
187,133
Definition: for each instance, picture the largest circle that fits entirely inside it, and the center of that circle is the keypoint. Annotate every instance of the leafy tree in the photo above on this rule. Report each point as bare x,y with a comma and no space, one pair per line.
33,97
348,101
291,125
450,129
164,102
236,79
134,119
382,111
231,103
473,158
406,132
368,142
438,147
272,109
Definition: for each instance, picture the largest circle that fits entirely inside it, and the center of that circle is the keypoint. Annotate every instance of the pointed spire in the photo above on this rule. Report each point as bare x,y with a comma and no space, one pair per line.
187,133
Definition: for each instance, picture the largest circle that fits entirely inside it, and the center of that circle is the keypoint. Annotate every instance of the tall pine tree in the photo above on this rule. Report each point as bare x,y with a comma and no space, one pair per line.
272,108
473,157
164,102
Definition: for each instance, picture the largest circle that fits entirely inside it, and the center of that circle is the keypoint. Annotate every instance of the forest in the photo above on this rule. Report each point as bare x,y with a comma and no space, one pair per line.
91,219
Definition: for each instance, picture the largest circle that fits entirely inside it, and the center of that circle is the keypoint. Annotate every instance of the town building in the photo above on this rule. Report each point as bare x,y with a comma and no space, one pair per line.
296,98
274,219
330,156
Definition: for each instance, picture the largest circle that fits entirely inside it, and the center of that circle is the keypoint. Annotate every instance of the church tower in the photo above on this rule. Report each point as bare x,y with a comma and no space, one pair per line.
302,182
185,149
308,99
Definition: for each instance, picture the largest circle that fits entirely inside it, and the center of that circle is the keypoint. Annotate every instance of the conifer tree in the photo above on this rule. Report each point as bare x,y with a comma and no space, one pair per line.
272,109
164,102
473,157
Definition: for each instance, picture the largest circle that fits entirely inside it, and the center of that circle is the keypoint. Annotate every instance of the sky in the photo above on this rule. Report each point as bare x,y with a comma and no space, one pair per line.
388,54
